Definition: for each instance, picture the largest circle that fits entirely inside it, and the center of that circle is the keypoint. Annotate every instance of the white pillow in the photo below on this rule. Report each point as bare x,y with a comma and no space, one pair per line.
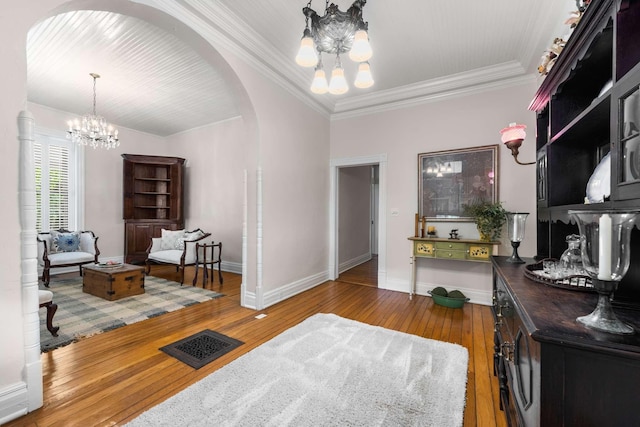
190,236
170,239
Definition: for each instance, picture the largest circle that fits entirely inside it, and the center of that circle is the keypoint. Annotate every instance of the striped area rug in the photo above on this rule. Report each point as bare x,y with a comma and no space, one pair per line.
82,315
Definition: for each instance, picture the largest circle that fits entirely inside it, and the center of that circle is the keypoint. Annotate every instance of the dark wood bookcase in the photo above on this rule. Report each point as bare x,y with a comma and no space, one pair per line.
587,107
152,200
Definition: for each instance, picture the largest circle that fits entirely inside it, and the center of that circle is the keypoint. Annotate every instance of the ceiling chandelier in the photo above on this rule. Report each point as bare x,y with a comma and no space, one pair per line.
93,130
335,33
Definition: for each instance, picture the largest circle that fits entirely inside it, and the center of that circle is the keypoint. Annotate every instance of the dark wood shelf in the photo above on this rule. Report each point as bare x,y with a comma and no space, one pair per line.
152,200
580,119
153,179
152,193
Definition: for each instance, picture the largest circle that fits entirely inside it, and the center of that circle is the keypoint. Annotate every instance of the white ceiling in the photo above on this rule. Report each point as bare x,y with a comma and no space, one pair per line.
154,82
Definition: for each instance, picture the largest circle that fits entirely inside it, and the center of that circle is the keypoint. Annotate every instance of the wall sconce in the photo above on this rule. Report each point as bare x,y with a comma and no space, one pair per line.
515,226
512,136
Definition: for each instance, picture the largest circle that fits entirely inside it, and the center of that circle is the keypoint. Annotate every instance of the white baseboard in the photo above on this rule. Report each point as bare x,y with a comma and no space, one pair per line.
294,288
475,296
354,262
232,267
14,402
250,300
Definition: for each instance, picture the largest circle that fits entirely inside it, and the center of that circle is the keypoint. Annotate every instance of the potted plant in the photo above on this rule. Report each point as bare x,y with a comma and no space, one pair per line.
489,218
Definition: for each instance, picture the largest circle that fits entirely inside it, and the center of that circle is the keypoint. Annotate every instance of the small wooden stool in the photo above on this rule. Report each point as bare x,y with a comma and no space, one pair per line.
208,261
45,298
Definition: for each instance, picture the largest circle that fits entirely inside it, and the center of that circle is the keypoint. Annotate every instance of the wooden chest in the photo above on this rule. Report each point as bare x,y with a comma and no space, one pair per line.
113,283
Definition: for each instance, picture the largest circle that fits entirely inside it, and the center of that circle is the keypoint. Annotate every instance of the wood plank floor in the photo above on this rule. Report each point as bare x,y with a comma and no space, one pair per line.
111,378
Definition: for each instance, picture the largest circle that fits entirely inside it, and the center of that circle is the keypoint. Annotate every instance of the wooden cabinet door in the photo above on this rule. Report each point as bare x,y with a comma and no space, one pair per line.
138,238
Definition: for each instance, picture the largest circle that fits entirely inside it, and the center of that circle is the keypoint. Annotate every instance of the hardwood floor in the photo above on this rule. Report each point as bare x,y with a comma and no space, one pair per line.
109,379
365,274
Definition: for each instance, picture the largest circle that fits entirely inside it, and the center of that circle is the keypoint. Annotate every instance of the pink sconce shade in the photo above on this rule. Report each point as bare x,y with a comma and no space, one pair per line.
512,136
513,132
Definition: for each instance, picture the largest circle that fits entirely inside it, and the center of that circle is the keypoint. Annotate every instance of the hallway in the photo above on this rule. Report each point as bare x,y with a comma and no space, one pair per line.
365,274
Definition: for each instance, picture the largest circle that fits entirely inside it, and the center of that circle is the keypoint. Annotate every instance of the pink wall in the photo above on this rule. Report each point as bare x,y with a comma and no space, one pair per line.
216,158
402,134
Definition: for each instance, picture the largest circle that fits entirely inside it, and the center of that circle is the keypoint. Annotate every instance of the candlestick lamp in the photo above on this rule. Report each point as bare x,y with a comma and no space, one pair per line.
606,239
515,225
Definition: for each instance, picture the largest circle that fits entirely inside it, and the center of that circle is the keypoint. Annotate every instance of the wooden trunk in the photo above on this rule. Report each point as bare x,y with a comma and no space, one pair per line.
113,283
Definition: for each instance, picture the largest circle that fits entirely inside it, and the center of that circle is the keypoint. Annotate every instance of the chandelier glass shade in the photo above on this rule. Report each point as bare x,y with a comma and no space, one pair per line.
336,33
93,130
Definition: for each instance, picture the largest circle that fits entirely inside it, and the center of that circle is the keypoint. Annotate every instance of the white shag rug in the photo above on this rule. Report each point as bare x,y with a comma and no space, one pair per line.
327,370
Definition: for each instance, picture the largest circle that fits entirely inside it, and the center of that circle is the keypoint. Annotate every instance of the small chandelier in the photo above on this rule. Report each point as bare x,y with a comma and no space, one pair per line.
93,130
335,33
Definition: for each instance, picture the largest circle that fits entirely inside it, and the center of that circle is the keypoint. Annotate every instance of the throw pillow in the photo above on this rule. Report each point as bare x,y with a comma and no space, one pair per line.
65,242
170,239
190,236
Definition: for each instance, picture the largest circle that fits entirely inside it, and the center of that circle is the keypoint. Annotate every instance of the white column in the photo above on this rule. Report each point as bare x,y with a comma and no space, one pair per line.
259,244
29,267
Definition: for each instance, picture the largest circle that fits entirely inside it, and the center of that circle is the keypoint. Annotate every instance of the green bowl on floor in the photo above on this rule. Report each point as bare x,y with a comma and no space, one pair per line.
448,302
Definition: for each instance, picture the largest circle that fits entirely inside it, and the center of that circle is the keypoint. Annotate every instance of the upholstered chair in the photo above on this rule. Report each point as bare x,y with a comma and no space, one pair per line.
175,247
64,248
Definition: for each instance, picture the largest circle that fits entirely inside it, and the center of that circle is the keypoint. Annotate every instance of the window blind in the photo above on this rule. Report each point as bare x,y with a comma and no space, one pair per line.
52,170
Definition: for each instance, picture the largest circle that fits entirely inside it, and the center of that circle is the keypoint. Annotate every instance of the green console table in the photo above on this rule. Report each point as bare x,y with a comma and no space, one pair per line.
454,249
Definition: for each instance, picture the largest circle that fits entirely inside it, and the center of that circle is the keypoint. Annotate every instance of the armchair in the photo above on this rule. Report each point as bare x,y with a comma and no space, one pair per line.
175,248
64,248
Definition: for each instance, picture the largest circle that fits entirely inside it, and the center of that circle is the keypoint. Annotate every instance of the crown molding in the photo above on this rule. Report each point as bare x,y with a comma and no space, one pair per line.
217,24
474,82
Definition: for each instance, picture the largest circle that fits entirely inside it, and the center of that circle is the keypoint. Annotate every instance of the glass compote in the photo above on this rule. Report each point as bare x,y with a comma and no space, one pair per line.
605,239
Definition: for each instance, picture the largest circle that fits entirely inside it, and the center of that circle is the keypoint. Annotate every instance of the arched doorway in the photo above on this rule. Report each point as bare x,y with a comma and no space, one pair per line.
26,122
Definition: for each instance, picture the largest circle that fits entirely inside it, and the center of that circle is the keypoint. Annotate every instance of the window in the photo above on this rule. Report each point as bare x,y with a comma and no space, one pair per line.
56,169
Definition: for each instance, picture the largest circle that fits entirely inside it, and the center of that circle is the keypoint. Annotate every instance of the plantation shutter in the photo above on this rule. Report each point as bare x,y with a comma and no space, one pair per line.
52,186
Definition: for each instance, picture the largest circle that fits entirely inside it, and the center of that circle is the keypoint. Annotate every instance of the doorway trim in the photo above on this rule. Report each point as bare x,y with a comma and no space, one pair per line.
335,165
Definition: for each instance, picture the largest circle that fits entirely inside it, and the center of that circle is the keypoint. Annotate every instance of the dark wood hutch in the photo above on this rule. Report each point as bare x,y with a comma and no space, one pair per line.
152,200
552,371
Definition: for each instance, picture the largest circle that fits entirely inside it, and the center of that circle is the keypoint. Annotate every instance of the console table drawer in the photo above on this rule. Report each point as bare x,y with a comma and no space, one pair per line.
444,254
424,249
453,246
480,252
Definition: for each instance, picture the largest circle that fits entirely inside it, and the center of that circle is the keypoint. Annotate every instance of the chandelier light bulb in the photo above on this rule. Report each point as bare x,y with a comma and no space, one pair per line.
361,49
307,56
364,79
319,84
338,84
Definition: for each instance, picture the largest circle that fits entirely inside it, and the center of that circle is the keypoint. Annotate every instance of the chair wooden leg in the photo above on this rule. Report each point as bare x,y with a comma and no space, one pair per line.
51,310
45,277
219,274
195,277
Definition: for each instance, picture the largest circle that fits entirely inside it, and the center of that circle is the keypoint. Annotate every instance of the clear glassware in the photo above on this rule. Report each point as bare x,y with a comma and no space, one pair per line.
605,238
571,259
515,225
